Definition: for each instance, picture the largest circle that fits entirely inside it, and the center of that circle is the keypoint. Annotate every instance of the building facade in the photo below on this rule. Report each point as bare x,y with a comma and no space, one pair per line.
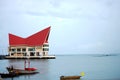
33,46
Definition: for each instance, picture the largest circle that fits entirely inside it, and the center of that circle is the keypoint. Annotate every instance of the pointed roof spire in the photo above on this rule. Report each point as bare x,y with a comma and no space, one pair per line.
36,39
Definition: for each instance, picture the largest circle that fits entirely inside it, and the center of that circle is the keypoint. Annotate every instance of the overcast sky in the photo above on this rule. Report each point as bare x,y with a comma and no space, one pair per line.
77,26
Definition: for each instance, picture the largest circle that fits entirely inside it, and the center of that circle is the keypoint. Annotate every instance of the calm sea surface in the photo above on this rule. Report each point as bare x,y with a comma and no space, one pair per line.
96,67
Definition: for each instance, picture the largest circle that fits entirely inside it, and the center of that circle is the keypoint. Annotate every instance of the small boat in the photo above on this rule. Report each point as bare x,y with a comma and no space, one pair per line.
69,77
8,75
72,77
26,70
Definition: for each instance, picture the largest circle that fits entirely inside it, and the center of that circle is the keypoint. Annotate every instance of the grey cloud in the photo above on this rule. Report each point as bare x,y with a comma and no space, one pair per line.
87,21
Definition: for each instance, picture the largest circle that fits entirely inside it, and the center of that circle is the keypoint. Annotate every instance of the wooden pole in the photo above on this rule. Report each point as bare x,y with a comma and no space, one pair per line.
28,63
24,64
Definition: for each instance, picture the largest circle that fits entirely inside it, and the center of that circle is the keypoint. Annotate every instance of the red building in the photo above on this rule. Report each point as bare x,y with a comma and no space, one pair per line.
33,46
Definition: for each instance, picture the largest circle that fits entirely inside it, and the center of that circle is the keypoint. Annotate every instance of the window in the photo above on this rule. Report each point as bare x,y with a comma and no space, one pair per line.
31,49
13,50
37,54
45,49
23,49
12,54
18,49
45,45
25,54
32,53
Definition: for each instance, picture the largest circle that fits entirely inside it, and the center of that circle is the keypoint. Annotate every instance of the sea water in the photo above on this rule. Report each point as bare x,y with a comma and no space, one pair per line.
95,67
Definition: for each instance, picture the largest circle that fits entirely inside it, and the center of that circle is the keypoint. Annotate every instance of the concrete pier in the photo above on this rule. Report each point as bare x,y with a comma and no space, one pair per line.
31,57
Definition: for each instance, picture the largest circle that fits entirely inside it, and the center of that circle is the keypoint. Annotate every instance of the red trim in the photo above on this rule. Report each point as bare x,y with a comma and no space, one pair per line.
36,39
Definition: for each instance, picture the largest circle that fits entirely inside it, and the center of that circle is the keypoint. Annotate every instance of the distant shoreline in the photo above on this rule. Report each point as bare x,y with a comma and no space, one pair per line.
112,54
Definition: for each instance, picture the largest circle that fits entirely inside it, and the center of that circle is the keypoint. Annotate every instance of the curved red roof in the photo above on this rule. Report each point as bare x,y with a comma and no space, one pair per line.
36,39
